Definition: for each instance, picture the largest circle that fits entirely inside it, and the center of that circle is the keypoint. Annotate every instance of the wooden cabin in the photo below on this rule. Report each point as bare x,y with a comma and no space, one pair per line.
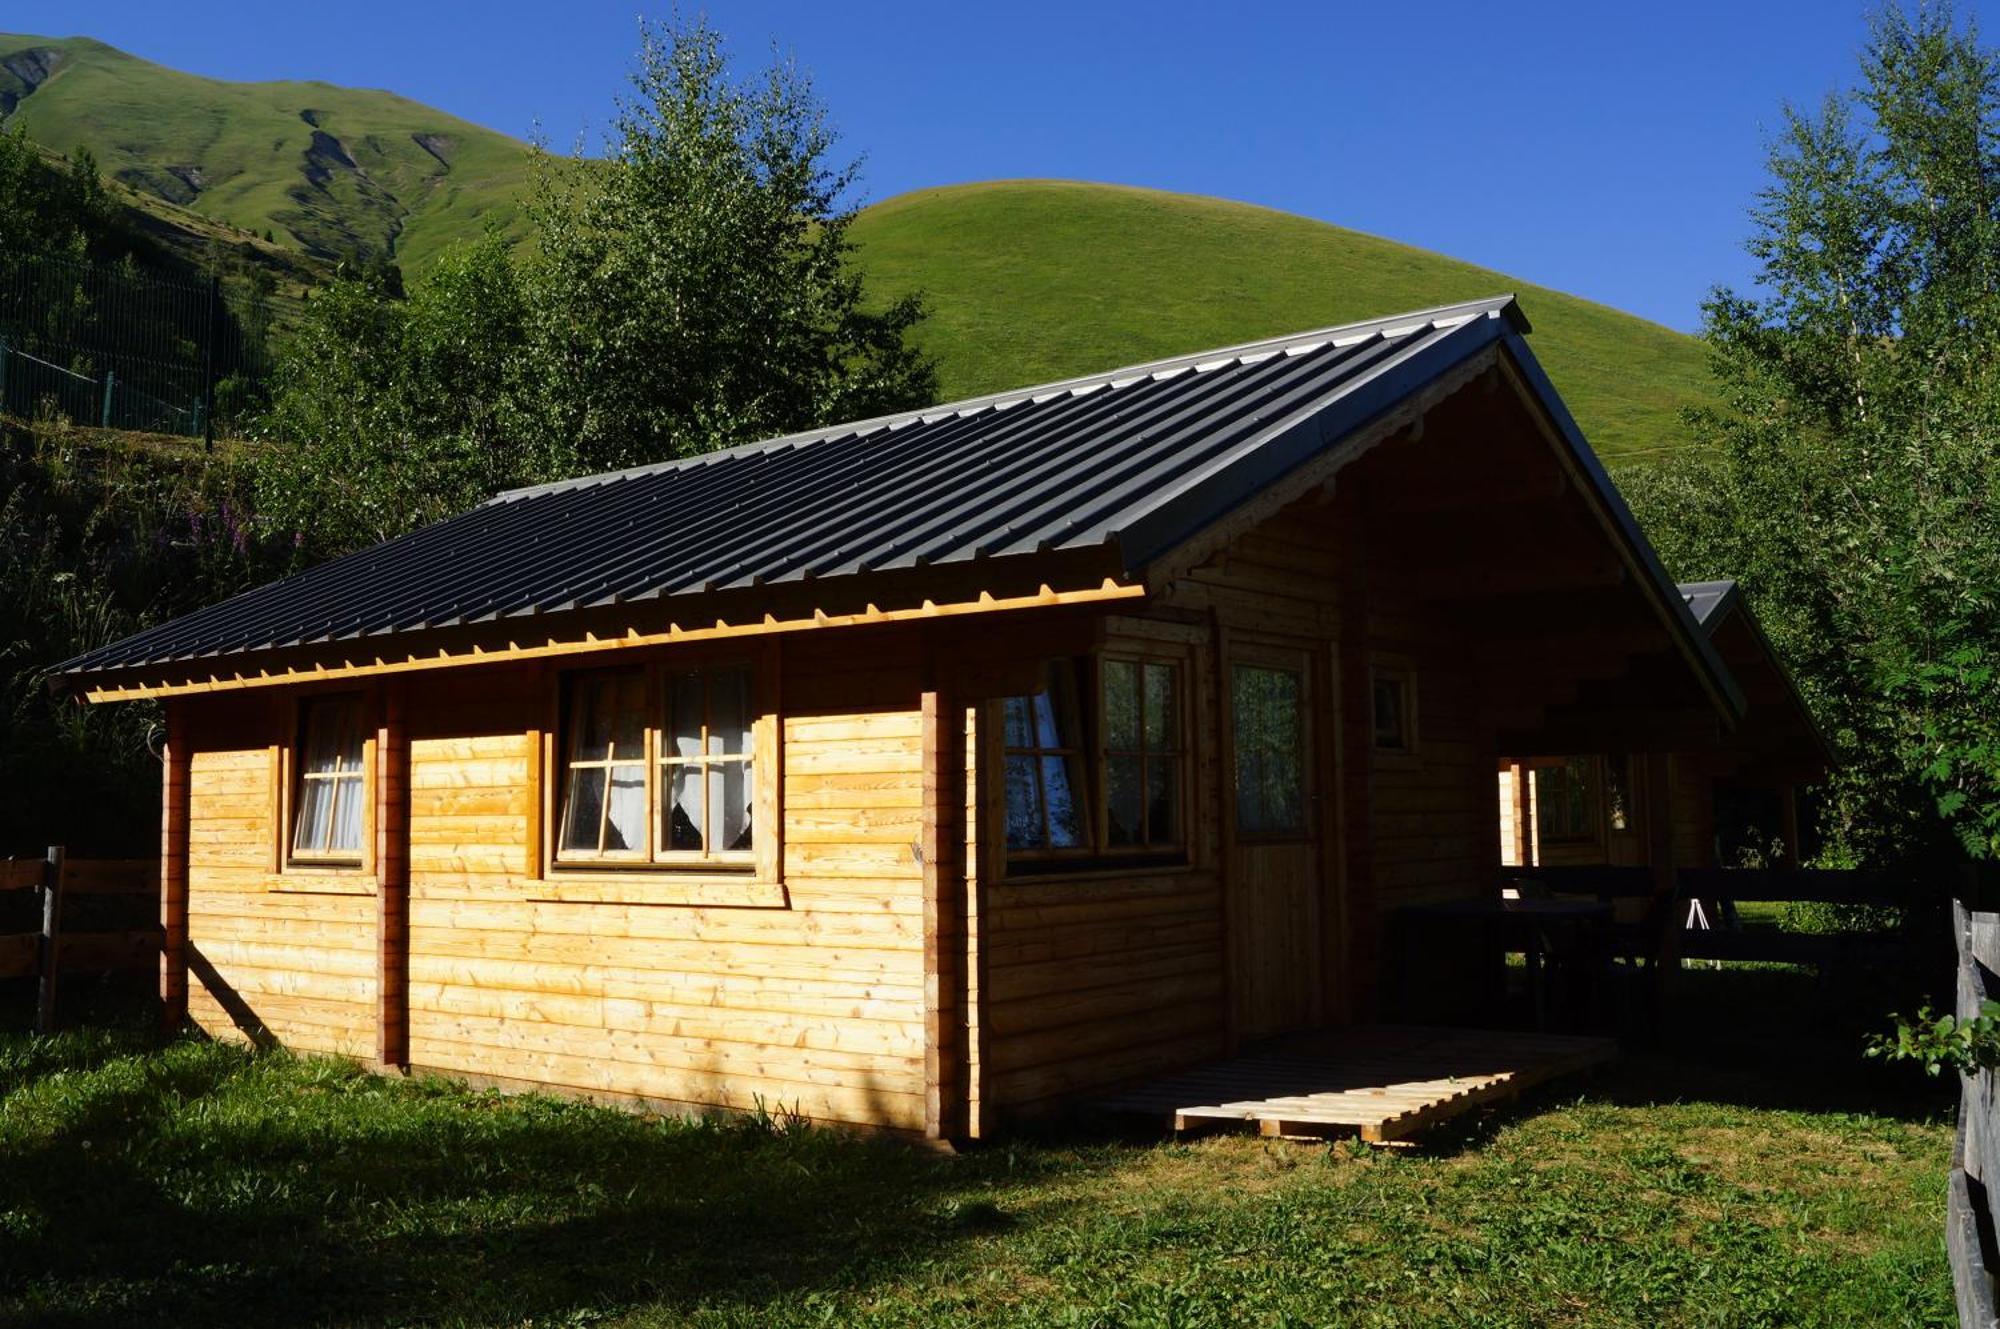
1729,804
925,772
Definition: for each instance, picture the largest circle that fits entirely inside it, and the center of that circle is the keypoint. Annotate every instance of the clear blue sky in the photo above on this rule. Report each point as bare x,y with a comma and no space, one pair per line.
1608,149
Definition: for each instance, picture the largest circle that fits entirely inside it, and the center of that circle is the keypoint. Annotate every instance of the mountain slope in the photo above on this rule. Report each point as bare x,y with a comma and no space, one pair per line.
1031,280
338,172
1028,280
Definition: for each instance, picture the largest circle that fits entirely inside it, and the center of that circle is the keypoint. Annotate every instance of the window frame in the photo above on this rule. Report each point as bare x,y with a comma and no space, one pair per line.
1591,766
1175,758
1401,674
585,876
338,869
1092,752
1283,660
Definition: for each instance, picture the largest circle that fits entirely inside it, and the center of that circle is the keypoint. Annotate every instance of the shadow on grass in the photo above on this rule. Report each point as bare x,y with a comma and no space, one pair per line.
192,1184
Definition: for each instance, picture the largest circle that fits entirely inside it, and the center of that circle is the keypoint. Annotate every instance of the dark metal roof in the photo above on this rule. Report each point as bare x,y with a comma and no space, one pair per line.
1707,600
1135,461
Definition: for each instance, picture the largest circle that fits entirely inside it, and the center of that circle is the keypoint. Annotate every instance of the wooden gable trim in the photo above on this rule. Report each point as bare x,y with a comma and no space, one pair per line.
301,667
1319,473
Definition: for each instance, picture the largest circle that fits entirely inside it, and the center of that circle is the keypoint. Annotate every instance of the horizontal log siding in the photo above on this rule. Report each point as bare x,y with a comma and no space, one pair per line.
1436,819
1094,980
294,967
816,1007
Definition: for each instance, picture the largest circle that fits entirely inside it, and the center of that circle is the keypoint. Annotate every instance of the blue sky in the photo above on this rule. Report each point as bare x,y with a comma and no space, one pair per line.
1609,149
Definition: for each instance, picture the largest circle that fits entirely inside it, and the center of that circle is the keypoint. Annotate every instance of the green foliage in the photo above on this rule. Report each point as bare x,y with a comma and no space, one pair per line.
1937,1042
1856,458
53,206
389,414
97,542
693,290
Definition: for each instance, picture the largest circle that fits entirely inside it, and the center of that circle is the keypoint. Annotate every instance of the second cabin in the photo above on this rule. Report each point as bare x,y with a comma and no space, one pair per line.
935,770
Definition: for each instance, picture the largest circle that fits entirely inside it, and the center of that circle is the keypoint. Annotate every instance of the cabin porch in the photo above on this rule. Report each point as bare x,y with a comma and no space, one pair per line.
1384,1083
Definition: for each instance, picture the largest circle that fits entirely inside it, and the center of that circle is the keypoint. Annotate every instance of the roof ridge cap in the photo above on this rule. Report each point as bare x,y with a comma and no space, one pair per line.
1504,305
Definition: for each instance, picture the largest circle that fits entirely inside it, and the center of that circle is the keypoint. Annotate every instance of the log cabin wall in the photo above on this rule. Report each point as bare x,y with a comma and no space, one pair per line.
805,994
271,957
1090,978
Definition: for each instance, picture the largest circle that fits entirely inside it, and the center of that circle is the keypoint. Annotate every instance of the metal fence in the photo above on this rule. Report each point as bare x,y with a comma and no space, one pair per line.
119,348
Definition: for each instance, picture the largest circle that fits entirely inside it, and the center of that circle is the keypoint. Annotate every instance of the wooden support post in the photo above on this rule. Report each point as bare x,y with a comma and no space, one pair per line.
942,847
392,888
1524,831
1788,824
175,762
1660,858
48,951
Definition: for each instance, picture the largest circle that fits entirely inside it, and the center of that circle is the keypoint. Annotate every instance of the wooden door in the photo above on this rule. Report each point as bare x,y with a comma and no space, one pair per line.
1273,822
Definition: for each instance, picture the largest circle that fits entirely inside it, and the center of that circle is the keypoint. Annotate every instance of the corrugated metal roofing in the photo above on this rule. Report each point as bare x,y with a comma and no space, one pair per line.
1138,459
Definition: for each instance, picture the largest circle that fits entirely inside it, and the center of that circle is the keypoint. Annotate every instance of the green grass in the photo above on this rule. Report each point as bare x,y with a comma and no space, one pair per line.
1033,280
238,152
188,1183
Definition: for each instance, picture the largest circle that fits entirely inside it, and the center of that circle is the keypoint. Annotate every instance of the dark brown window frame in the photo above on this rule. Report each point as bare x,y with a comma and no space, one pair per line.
1092,752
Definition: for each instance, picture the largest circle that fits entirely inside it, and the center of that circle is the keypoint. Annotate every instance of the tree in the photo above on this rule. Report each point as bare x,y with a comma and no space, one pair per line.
1853,471
694,288
388,414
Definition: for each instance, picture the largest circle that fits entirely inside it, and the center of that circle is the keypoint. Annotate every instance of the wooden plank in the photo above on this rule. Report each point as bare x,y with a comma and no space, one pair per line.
153,683
111,876
101,952
946,1076
176,767
392,867
22,874
49,957
1384,1083
17,954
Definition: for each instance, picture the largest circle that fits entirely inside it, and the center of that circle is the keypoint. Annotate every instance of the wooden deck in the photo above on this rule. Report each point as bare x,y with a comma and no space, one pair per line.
1382,1082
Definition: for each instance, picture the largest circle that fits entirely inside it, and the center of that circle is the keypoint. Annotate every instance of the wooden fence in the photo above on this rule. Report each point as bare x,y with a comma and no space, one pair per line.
1973,1201
53,950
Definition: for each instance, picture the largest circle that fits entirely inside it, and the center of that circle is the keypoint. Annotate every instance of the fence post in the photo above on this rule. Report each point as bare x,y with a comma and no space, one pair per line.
110,385
52,875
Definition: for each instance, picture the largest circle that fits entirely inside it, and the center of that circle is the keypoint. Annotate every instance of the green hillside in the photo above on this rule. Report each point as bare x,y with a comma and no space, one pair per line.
1028,280
1031,280
337,172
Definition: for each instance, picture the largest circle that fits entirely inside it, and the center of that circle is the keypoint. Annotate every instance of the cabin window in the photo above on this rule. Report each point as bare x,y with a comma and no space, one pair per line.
1268,708
329,795
1394,725
1142,754
1047,806
705,764
1567,801
657,767
1095,762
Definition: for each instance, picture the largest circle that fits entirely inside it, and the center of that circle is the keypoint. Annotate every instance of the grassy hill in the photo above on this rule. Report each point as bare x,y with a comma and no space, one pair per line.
1028,280
1031,280
335,172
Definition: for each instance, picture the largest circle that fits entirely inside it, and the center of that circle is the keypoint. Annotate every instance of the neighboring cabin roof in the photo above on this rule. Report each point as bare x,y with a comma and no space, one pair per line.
1713,604
1707,599
1132,463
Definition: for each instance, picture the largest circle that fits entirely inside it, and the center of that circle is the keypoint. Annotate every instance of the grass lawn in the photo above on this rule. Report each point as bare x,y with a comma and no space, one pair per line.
187,1183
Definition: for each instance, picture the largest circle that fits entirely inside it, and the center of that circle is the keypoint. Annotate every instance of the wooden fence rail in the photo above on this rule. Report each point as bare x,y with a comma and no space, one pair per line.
51,951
